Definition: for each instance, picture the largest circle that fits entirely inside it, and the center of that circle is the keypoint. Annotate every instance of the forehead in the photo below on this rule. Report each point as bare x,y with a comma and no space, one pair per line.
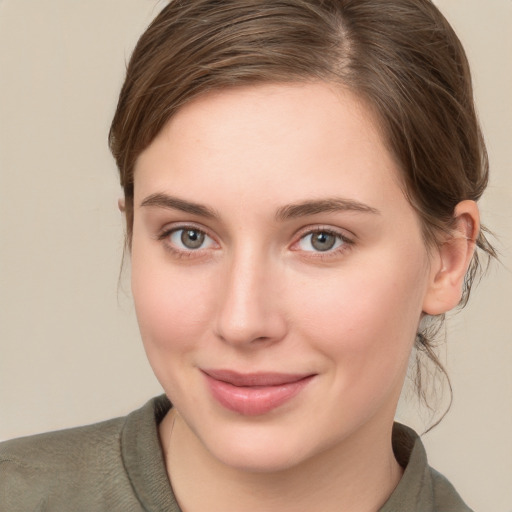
273,142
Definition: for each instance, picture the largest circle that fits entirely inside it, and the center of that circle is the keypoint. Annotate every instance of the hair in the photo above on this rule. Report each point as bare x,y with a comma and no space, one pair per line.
400,56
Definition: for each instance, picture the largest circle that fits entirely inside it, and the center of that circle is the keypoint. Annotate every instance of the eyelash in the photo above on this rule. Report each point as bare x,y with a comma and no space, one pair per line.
346,244
191,253
180,253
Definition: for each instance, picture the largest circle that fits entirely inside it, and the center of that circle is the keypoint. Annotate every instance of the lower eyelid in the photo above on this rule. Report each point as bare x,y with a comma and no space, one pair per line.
184,252
165,235
345,245
344,238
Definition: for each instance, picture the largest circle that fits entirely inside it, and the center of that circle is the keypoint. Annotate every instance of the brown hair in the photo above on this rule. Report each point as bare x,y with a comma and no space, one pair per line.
401,56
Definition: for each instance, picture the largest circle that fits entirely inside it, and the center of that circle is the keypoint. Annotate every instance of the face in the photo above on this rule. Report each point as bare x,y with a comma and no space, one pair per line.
278,272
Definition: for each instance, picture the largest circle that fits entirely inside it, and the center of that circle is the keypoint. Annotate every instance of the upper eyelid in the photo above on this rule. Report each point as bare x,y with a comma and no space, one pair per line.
170,228
343,233
163,238
167,230
348,240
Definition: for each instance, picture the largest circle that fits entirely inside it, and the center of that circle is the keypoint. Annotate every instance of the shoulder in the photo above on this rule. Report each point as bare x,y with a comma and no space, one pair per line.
444,494
53,449
58,468
113,466
421,487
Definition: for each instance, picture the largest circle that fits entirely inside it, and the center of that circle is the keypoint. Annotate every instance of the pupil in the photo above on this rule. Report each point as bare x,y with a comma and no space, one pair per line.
323,241
192,239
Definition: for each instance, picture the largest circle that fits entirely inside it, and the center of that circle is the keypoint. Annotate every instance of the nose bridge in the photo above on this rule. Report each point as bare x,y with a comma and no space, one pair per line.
249,308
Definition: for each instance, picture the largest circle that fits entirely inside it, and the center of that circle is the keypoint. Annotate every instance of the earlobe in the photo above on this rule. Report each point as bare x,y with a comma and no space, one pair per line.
452,261
121,204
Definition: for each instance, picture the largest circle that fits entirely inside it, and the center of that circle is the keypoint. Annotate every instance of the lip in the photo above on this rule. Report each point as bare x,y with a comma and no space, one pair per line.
253,394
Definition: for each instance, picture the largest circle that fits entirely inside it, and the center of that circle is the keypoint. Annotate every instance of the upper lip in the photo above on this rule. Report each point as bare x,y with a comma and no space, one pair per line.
256,378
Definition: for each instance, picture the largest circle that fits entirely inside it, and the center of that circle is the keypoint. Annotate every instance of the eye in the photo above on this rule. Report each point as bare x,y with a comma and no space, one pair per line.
321,241
189,239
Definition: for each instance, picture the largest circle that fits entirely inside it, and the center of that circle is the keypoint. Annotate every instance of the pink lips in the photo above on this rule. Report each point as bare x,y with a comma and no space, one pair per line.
255,393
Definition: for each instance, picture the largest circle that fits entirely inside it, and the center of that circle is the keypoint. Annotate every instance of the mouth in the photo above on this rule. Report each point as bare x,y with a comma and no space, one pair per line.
253,394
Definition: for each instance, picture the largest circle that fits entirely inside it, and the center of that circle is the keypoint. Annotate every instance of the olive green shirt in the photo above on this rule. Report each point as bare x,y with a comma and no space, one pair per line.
118,466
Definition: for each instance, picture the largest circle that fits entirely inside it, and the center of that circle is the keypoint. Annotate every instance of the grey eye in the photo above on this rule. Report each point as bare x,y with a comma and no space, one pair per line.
190,239
323,241
320,241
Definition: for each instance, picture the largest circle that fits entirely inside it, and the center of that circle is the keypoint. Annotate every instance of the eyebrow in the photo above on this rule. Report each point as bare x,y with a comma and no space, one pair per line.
287,212
174,203
329,205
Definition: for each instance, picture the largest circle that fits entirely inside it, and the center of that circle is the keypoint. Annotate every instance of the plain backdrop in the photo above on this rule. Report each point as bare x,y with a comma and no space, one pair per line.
70,351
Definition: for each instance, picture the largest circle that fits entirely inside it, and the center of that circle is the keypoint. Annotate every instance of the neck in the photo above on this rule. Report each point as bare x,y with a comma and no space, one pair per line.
356,476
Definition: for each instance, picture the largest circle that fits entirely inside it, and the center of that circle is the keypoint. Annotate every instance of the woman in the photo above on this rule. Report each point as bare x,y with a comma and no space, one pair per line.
300,183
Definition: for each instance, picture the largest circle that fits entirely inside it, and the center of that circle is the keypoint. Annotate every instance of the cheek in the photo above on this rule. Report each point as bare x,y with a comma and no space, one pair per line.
173,310
364,315
172,305
364,323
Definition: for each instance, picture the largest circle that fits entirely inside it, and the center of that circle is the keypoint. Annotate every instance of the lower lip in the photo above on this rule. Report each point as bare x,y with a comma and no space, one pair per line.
254,400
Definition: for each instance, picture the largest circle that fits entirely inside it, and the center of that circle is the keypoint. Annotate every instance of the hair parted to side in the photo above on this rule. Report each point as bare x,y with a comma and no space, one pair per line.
400,56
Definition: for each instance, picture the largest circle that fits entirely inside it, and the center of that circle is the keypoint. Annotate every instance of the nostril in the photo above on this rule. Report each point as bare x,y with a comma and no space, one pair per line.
259,333
249,312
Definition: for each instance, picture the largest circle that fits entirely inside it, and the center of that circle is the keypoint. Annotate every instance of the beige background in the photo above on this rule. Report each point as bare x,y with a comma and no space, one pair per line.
69,347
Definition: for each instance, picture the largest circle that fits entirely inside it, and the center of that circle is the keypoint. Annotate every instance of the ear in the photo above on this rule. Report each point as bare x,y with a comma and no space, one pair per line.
451,261
121,204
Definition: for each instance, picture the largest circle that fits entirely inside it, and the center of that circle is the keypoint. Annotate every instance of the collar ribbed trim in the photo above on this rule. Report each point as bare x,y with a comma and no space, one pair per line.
416,484
143,459
144,463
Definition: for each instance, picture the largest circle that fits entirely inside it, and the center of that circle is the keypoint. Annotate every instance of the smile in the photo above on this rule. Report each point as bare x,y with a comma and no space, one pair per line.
256,393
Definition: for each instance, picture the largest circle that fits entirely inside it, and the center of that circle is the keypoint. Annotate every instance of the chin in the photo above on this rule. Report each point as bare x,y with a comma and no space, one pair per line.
258,448
257,459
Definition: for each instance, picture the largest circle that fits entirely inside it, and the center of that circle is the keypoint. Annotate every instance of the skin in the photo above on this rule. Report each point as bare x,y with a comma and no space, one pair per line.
258,296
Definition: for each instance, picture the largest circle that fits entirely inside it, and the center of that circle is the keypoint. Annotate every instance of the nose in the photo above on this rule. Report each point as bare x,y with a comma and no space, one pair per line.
249,312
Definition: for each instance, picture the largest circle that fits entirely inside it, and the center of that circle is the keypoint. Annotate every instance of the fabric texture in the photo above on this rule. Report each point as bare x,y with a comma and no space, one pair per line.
118,466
